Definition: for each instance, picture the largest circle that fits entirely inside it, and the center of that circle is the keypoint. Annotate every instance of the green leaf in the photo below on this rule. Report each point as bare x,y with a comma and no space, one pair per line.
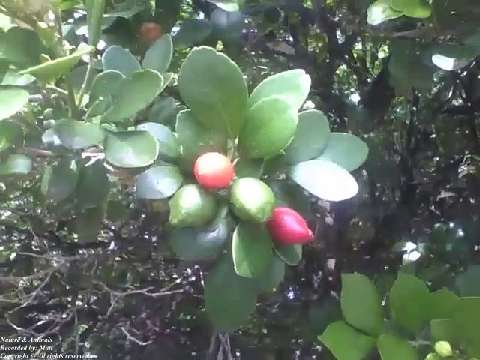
229,298
78,134
443,304
134,93
252,199
95,9
292,85
270,126
192,206
212,85
465,321
310,138
195,139
206,243
381,11
59,180
290,254
121,60
159,55
168,144
192,32
324,179
12,100
271,278
13,78
443,329
89,224
131,149
164,111
251,249
15,164
106,84
11,135
413,8
20,46
468,283
93,185
394,348
346,343
410,302
361,303
346,150
159,182
54,69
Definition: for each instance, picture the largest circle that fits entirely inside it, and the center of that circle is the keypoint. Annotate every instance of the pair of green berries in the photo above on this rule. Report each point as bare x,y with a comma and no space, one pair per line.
192,206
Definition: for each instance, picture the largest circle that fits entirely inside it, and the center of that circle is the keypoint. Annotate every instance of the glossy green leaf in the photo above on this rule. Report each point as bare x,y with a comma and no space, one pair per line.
346,150
131,149
78,134
251,249
93,185
324,179
290,254
13,78
229,298
159,182
15,164
413,8
394,348
167,142
59,180
159,55
410,302
227,5
443,304
346,343
53,69
106,84
11,135
252,199
134,93
206,243
212,85
361,303
270,279
192,206
164,110
192,32
12,100
443,329
21,46
381,11
121,60
248,168
269,128
95,9
311,137
465,322
292,85
195,139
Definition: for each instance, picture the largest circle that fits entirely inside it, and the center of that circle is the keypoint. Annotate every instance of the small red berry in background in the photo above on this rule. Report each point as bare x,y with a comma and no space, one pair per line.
288,227
213,171
150,31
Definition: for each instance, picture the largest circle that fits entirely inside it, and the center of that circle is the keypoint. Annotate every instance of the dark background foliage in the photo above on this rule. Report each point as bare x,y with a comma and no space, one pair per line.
127,297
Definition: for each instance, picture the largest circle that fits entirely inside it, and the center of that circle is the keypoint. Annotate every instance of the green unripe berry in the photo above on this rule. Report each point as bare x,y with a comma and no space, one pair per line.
192,206
443,348
252,200
433,356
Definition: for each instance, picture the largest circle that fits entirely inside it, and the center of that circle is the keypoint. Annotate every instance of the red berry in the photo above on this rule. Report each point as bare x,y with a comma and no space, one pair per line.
213,171
288,227
150,31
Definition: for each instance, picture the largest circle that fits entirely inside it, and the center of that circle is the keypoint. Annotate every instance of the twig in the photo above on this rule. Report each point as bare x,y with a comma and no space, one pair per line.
134,339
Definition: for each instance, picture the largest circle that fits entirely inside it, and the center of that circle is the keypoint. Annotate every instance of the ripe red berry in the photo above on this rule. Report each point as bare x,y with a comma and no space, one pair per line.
213,171
150,31
288,227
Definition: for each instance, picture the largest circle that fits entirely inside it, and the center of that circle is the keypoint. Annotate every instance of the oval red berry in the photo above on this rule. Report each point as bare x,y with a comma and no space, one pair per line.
213,171
288,227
